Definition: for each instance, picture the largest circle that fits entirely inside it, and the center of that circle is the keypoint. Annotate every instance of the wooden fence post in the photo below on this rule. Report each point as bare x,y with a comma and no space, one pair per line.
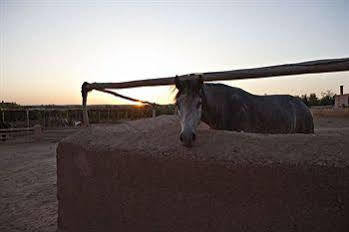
44,119
27,111
154,111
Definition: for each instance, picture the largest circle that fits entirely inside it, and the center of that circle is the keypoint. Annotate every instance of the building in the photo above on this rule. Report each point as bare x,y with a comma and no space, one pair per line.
341,100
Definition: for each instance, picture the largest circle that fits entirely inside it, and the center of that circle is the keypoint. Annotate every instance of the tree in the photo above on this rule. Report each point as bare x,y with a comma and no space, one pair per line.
9,105
304,98
327,98
313,100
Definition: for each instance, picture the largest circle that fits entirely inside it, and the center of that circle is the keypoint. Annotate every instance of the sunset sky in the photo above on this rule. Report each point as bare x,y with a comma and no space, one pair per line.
49,48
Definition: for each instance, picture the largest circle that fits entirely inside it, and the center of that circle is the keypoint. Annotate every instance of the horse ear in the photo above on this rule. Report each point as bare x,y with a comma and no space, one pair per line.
177,82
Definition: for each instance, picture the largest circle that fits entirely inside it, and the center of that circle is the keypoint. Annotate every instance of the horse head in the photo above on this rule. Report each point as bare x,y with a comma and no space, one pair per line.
189,105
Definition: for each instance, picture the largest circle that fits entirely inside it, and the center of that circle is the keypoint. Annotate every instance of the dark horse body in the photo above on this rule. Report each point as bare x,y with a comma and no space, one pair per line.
227,108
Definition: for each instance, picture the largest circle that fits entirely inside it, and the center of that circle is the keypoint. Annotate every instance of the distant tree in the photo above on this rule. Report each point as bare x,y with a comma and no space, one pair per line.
304,98
327,98
313,100
9,105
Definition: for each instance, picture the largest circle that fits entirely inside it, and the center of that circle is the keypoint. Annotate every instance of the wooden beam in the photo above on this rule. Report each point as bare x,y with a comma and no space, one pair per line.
317,66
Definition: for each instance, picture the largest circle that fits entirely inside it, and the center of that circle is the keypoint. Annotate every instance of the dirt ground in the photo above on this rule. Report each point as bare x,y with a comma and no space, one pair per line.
28,183
28,177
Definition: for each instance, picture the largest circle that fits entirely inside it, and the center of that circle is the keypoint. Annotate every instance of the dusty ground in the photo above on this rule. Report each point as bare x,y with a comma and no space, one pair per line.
28,183
28,177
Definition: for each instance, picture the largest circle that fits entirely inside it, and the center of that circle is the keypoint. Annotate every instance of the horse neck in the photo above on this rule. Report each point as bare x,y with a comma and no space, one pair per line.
205,115
211,101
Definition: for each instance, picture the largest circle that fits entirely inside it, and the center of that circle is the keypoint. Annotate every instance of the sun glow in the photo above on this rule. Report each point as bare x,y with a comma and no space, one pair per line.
138,104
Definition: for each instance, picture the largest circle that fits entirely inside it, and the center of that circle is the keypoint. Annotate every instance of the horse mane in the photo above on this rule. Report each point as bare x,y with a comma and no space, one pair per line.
188,88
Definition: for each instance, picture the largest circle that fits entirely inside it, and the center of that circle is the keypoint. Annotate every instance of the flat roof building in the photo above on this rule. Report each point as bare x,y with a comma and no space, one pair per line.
341,100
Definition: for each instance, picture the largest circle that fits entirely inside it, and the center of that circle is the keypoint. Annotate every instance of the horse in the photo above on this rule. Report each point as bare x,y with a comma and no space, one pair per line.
224,107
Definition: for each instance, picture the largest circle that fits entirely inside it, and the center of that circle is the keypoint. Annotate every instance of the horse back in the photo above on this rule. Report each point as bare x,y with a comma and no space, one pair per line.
283,114
230,108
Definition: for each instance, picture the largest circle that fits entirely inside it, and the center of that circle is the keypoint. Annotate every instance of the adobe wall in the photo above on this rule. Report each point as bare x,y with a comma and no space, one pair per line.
138,177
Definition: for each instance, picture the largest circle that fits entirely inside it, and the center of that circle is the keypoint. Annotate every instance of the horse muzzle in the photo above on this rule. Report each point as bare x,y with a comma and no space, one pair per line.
187,138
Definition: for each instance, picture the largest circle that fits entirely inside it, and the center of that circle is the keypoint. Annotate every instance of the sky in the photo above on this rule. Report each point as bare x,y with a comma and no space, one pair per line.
49,48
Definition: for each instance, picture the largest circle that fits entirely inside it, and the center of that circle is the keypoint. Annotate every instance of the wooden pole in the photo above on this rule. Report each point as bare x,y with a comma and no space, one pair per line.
154,112
84,92
317,66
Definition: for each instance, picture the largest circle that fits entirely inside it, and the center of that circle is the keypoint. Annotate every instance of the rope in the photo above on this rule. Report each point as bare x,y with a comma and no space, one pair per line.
127,98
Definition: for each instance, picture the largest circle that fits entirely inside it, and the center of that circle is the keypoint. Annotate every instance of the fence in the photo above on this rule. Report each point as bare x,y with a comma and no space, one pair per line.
6,133
61,117
318,66
46,117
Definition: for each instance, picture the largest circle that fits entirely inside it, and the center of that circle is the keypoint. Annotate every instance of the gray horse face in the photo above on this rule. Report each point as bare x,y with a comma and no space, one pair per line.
189,104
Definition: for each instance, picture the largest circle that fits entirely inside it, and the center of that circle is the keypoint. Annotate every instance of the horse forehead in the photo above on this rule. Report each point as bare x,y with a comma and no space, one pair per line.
188,98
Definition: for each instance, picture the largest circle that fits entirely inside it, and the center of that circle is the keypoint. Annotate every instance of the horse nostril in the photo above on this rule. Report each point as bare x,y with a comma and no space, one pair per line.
181,137
194,137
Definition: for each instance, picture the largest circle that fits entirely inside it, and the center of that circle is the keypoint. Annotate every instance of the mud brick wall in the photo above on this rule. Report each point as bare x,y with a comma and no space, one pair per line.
138,177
